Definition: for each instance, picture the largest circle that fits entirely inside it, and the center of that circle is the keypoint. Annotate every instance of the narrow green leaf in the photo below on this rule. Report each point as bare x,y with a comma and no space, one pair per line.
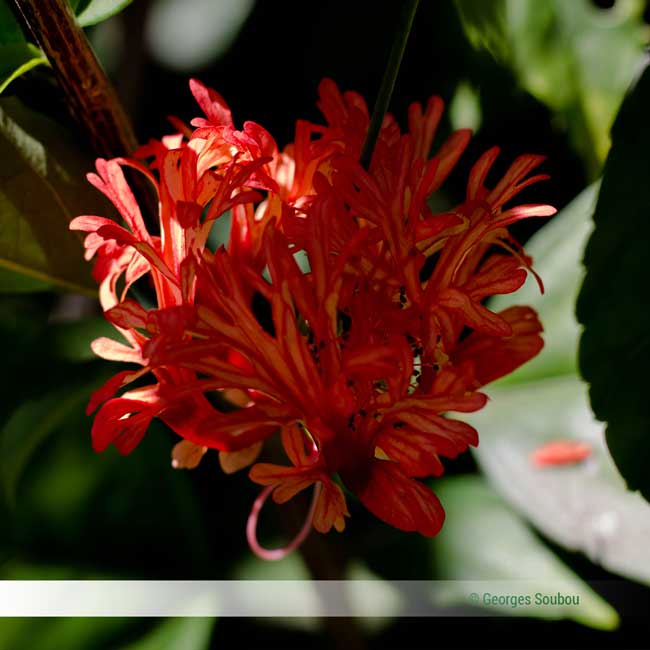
615,345
95,11
485,542
42,187
16,55
16,59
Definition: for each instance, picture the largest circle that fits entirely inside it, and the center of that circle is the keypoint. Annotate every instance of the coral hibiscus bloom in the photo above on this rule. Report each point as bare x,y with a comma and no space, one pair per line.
343,314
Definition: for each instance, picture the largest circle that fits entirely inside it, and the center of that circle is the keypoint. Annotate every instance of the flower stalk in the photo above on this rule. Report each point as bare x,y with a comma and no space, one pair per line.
389,79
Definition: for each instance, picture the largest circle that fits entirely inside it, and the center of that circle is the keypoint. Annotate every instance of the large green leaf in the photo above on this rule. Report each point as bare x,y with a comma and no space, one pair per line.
615,346
583,507
42,187
484,547
576,58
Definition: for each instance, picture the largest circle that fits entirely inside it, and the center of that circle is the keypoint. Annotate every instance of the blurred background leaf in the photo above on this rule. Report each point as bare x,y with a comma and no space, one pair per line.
29,425
106,634
575,57
84,515
187,34
615,345
42,187
479,541
176,633
582,507
12,282
484,22
91,12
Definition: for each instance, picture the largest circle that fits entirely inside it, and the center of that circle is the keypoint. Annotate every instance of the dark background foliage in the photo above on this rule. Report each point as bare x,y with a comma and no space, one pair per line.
72,513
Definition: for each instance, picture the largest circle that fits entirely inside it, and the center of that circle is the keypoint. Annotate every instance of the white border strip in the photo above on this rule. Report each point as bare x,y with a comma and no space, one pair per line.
284,598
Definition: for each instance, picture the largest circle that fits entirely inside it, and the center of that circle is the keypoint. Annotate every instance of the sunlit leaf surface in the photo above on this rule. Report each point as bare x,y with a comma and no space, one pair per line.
485,542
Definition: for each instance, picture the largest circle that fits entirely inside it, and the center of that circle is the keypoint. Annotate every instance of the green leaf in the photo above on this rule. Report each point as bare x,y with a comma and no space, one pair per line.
555,250
95,11
484,22
16,55
11,282
28,427
16,59
574,57
615,346
42,187
175,633
109,632
579,60
485,542
10,31
68,633
583,507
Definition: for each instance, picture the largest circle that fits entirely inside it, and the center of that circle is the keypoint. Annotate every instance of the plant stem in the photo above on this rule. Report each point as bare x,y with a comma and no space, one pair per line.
388,81
88,92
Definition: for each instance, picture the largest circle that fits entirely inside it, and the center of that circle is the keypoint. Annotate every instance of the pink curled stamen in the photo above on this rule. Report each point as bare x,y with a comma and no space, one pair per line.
278,553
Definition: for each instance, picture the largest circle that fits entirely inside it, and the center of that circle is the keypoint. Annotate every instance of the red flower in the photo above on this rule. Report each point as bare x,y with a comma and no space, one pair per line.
357,353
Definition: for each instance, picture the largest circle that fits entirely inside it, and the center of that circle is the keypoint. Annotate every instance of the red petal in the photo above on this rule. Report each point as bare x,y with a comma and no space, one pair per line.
129,314
331,509
122,422
289,480
233,461
396,499
211,103
474,314
495,357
